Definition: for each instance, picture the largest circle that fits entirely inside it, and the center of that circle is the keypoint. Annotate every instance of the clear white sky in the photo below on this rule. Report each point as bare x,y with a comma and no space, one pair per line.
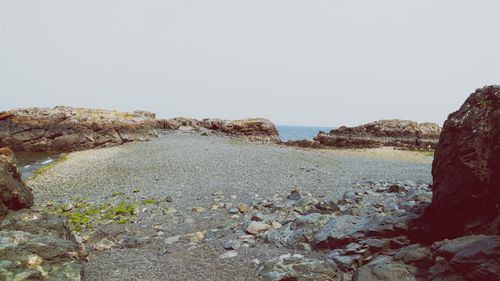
303,62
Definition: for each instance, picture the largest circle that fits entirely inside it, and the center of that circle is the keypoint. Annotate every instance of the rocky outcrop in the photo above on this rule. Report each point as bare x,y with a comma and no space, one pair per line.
255,129
38,246
402,134
33,244
67,128
466,170
399,133
14,194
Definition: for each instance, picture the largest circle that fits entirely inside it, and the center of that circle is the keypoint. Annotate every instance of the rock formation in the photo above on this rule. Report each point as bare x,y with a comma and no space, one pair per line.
14,195
466,169
255,129
33,244
398,133
67,128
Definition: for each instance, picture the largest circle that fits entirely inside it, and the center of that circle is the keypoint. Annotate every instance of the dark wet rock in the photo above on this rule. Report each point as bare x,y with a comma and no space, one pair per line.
67,128
296,267
14,194
294,195
38,246
305,143
473,257
399,133
466,170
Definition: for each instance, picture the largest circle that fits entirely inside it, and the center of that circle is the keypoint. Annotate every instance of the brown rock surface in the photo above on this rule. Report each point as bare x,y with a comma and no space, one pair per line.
67,128
14,195
466,169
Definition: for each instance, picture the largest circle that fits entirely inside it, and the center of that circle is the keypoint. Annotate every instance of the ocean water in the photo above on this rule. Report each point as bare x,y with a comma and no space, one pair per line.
299,132
28,162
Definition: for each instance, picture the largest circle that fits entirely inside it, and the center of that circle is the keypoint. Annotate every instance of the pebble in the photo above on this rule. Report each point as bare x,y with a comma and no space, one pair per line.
232,244
229,254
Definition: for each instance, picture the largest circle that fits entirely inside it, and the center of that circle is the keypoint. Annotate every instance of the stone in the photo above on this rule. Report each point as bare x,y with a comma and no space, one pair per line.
198,209
65,128
232,244
229,254
413,254
243,208
172,239
255,227
14,194
104,244
474,257
233,210
466,170
294,195
340,231
296,267
382,268
195,237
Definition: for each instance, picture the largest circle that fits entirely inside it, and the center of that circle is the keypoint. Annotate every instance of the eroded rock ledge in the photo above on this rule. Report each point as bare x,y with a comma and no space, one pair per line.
254,129
65,128
402,134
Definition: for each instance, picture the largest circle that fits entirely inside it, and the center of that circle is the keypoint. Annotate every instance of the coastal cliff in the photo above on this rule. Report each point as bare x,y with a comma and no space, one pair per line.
65,128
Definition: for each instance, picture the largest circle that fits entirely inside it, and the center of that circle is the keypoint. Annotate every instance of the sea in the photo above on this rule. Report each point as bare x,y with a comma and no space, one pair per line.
288,132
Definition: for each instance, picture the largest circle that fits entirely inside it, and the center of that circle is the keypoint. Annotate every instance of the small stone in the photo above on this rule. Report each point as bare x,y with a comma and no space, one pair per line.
294,195
229,254
104,244
194,237
235,216
242,207
232,244
276,225
233,196
233,210
169,199
172,239
198,209
257,227
395,188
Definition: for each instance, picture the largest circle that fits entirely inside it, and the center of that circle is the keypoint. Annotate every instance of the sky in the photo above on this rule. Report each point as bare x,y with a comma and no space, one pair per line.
318,63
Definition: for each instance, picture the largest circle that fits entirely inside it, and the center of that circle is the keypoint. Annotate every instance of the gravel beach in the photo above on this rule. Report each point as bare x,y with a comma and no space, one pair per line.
193,170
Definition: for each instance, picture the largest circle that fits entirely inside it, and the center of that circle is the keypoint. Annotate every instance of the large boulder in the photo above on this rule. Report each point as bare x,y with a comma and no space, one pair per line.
67,128
14,195
399,133
466,170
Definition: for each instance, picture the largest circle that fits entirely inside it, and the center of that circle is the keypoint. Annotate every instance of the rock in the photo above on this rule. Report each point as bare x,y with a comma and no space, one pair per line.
304,143
339,231
413,254
255,227
382,268
195,237
294,195
198,209
473,257
466,170
35,246
255,129
396,188
399,133
14,194
67,128
233,210
104,244
172,239
243,208
232,244
229,254
295,267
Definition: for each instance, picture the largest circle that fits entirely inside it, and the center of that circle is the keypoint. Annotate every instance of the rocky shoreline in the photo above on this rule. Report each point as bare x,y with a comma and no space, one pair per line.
366,229
403,134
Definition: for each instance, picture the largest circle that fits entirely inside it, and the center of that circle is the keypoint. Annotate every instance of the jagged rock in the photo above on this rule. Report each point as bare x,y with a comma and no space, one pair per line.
466,170
340,231
67,128
38,246
14,194
255,227
295,267
383,268
473,257
399,133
